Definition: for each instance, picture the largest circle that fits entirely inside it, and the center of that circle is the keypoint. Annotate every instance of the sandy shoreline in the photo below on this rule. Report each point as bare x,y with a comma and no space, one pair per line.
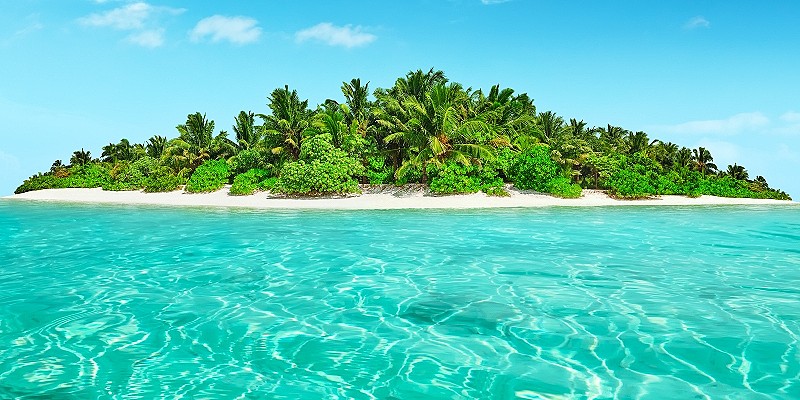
383,199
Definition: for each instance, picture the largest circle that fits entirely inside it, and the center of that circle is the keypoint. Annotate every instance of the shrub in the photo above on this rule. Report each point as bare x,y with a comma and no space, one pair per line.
211,176
247,160
87,176
132,176
322,169
248,183
377,172
534,169
564,188
629,184
163,180
455,178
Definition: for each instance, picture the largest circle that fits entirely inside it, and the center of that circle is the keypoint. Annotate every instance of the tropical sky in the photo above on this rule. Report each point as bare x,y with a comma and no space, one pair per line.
722,74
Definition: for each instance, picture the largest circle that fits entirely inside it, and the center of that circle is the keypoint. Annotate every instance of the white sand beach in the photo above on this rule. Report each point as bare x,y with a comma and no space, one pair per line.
372,199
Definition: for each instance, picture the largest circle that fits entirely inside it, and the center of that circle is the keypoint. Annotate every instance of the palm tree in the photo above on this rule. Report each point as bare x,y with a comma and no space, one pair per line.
511,116
437,129
548,126
155,146
613,138
665,153
683,158
330,119
80,157
417,84
289,119
198,132
247,134
356,98
56,166
703,161
122,151
737,172
637,142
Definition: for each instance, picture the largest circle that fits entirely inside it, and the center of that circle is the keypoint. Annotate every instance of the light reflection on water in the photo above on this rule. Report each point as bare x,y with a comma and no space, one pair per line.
640,302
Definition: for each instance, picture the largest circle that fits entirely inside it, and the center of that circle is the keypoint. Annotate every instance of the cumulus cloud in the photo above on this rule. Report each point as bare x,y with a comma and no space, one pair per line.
697,22
791,116
724,152
131,16
239,30
346,36
488,2
139,17
149,38
752,123
728,126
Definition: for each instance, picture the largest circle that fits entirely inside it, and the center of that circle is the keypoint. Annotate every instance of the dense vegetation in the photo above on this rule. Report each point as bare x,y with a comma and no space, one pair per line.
424,129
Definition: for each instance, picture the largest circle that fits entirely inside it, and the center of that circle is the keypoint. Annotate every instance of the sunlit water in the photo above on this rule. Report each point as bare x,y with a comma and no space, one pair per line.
631,302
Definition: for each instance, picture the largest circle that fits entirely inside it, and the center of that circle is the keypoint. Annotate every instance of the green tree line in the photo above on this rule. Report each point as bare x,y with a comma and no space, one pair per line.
424,129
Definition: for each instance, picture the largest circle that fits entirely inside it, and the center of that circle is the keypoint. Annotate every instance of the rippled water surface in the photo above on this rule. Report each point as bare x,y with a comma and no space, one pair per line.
631,302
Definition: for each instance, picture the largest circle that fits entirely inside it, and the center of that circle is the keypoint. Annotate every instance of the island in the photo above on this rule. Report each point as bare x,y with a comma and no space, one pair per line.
426,142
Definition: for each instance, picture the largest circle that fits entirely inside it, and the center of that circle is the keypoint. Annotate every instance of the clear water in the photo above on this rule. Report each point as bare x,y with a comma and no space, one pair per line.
135,302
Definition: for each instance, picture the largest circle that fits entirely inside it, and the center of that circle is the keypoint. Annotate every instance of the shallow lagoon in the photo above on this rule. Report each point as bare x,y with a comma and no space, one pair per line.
624,302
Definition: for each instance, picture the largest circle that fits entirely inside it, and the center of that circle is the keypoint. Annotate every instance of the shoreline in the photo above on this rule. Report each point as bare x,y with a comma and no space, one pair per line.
382,199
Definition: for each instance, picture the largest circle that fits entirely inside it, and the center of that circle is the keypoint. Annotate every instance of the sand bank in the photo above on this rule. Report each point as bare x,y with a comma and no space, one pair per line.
372,199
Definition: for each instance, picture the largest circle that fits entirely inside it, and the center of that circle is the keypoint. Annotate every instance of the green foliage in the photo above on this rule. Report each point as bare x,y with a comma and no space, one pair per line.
162,180
455,178
248,159
534,169
423,129
630,184
268,184
249,182
81,176
564,188
321,169
211,176
377,171
132,176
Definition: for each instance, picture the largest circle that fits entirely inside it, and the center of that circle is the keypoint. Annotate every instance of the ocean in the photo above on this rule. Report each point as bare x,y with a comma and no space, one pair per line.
138,302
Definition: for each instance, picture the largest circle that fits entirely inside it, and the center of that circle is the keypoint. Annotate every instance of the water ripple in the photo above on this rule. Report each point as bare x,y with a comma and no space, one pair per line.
139,303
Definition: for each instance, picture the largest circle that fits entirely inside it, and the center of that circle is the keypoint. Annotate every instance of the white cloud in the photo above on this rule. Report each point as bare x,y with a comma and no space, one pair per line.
131,16
139,17
724,153
149,38
697,22
488,2
36,26
332,35
791,116
239,30
729,126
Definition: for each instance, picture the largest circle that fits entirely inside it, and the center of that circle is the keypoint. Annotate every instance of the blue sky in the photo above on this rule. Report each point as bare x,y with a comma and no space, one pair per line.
82,73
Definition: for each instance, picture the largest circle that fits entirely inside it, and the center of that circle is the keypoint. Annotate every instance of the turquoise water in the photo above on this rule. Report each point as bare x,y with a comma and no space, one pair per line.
630,302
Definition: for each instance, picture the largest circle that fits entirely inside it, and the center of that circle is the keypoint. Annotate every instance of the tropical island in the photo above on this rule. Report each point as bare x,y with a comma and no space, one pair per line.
424,132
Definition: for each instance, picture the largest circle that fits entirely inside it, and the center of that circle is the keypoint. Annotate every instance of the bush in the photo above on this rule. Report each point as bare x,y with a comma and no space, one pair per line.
248,183
163,180
211,176
377,172
322,169
87,176
534,169
247,160
629,184
132,176
564,188
455,178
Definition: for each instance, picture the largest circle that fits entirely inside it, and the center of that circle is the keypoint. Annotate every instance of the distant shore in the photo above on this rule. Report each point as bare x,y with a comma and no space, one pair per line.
372,199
